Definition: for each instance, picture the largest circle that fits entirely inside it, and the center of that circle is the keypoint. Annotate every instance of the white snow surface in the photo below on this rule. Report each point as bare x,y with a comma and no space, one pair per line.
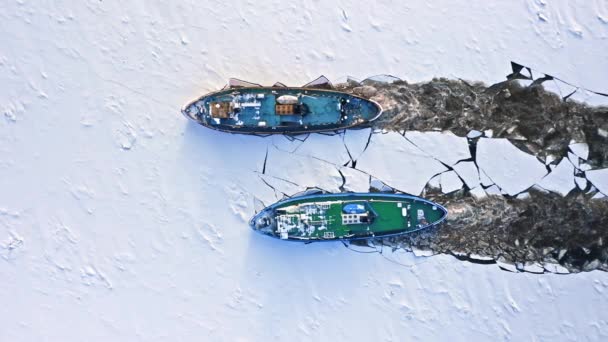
122,221
507,166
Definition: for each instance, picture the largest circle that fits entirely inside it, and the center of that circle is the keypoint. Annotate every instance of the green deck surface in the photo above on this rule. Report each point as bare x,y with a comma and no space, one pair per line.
389,217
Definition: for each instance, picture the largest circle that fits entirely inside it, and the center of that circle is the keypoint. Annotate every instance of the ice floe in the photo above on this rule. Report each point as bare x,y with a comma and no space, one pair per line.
580,149
493,190
581,182
444,146
450,182
469,173
474,134
356,141
355,180
478,192
574,159
599,178
555,268
510,168
560,179
399,163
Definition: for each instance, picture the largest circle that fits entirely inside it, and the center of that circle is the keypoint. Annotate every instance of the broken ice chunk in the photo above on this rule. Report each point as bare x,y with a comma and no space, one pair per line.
387,79
506,265
435,182
356,141
584,167
485,180
474,134
378,185
469,173
422,252
478,257
533,267
478,192
355,180
580,149
510,168
320,82
556,268
599,178
398,163
444,146
581,182
560,180
574,159
450,182
493,190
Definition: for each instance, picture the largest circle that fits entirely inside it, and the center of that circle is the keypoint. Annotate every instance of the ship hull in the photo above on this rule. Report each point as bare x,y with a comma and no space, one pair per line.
258,110
347,216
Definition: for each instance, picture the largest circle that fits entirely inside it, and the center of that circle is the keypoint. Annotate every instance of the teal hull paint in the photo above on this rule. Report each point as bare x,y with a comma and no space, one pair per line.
252,111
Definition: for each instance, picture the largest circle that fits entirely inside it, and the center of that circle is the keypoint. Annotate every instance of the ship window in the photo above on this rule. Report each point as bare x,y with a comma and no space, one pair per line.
286,109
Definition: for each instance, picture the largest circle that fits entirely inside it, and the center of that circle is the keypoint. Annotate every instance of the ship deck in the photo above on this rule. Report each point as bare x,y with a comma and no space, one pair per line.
322,105
328,224
260,113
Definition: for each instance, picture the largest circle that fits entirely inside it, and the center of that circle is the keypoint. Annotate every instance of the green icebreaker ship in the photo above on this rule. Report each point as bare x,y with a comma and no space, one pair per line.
249,108
346,216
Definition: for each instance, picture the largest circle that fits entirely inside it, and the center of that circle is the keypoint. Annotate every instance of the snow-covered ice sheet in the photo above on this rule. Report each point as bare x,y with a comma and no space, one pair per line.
328,148
122,221
303,170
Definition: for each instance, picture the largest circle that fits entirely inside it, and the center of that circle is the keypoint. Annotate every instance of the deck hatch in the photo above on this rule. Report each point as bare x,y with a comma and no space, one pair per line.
220,110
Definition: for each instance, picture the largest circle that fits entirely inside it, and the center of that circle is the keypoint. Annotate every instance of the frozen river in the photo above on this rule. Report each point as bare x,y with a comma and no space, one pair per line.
120,220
